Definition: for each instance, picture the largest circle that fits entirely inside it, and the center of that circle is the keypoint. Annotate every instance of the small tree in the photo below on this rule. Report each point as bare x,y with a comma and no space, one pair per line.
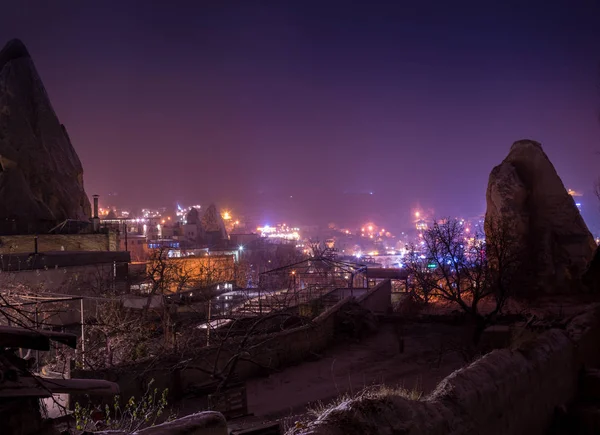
467,271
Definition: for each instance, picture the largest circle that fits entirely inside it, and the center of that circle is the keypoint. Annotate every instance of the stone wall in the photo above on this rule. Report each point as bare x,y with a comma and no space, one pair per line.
58,242
378,300
505,392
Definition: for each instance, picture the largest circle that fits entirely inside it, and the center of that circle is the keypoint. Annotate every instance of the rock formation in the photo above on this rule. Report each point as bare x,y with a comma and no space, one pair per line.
193,217
212,222
41,177
526,193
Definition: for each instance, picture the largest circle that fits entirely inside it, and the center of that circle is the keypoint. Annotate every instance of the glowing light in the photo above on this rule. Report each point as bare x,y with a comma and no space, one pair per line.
370,227
280,231
417,214
226,215
241,247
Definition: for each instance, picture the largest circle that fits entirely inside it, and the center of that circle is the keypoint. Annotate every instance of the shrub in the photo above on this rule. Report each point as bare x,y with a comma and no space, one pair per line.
135,415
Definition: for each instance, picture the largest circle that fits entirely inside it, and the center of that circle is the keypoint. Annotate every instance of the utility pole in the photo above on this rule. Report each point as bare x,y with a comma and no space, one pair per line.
82,335
125,231
37,352
208,323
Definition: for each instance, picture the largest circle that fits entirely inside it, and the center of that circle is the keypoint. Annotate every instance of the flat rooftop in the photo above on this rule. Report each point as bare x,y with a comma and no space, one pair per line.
54,259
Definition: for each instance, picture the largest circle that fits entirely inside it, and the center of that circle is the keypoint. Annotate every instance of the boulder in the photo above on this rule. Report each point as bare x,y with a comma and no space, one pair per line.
41,177
525,193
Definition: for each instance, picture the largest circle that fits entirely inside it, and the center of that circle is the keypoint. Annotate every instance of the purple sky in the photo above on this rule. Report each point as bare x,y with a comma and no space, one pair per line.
252,102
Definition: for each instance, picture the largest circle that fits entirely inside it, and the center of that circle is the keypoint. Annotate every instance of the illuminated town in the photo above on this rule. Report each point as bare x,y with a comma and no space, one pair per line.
370,243
299,218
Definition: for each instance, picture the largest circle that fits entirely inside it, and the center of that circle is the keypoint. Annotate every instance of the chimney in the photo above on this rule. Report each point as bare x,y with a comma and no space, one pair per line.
96,206
95,218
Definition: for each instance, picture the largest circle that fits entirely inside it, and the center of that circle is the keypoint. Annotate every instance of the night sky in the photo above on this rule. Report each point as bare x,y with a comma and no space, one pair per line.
298,110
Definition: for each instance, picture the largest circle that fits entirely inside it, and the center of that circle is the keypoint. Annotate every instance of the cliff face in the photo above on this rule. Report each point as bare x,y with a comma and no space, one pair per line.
526,193
41,177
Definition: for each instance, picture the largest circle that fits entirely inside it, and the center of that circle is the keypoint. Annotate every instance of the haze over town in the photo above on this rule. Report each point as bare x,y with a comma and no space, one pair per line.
297,111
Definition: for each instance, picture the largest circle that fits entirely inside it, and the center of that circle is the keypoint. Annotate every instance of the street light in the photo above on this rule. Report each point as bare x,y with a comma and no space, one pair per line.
241,248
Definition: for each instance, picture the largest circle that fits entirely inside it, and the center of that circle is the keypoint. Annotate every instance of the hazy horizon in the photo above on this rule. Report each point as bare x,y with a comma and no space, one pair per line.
298,111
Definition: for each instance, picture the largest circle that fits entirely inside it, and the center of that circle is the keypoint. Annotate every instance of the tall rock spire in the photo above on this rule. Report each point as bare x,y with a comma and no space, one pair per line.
41,177
525,193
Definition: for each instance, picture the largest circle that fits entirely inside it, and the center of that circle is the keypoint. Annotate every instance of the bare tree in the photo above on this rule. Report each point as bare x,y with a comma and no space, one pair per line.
467,271
240,340
174,286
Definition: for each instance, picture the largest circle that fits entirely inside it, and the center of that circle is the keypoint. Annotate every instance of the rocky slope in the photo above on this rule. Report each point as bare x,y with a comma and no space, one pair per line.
41,177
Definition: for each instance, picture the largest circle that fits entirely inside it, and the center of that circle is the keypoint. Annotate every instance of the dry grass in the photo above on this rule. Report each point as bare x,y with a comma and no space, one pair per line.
319,408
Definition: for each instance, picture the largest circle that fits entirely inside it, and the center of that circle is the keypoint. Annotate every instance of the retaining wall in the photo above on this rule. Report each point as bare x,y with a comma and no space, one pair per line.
505,392
58,242
378,300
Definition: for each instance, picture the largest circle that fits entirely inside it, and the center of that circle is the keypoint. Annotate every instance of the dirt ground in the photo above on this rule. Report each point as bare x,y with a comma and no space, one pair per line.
350,367
347,367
